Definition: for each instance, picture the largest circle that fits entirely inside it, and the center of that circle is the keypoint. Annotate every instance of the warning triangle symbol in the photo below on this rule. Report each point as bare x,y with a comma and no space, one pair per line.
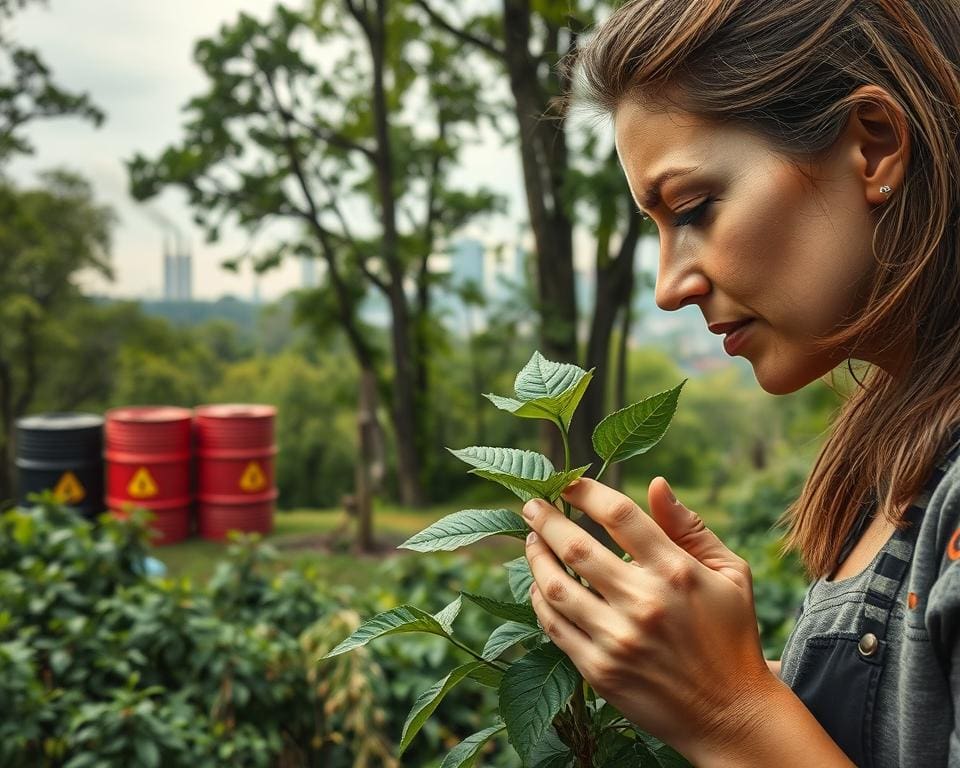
253,478
69,490
142,485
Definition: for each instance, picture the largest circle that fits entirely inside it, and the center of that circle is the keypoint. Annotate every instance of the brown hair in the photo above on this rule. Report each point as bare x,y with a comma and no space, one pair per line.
787,69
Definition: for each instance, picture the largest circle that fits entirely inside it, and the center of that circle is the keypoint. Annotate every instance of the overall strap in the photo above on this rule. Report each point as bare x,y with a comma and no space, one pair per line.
892,565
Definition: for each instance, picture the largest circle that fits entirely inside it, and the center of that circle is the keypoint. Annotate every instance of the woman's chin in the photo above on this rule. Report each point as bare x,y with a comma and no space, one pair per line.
782,380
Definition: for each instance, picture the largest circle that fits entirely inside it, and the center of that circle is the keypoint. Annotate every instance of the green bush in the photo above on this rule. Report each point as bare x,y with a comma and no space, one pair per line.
778,581
101,665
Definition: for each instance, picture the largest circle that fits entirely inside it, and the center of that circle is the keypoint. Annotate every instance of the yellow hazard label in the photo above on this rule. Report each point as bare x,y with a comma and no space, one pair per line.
142,485
253,478
69,490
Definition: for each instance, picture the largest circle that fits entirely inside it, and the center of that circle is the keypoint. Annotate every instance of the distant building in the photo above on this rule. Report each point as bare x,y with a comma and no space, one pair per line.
465,269
466,263
177,272
308,273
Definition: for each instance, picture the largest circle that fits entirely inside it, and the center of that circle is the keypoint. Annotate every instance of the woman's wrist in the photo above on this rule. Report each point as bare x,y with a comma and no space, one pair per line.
770,727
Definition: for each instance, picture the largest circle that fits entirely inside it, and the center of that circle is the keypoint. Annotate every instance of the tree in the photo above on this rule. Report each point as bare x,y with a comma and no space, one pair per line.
48,236
355,147
30,93
534,43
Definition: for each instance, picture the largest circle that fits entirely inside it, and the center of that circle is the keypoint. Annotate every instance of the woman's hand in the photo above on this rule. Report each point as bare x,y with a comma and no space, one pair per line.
671,638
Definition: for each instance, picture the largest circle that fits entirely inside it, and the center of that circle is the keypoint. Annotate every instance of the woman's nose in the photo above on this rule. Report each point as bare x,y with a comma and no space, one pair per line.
680,281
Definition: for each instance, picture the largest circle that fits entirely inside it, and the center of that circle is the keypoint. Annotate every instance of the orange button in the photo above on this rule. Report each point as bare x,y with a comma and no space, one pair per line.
953,548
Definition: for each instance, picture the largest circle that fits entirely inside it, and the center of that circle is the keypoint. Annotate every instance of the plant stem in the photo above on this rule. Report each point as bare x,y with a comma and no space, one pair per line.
495,664
566,504
602,469
582,726
566,463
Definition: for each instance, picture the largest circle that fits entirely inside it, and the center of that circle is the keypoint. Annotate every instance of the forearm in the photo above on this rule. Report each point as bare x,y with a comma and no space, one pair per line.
773,729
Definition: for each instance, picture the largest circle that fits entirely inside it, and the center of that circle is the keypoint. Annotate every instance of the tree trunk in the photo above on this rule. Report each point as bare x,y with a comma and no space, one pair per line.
543,159
614,289
366,467
405,400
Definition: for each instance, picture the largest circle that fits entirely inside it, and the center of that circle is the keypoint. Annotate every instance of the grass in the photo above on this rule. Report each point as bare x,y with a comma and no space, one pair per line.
321,538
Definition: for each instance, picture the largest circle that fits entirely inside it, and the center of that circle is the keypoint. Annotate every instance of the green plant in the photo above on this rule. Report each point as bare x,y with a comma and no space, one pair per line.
550,715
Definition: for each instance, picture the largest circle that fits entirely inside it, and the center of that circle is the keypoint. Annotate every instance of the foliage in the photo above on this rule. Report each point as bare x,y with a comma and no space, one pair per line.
30,92
779,582
549,713
104,666
40,266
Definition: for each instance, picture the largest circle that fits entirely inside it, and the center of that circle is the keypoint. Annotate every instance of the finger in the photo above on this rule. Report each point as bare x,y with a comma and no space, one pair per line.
573,545
688,531
629,525
565,594
569,638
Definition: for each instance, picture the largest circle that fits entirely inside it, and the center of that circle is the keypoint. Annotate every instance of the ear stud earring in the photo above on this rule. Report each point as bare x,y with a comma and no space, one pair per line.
886,190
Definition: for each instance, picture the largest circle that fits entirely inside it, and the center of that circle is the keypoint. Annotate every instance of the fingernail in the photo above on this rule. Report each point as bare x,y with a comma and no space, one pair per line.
673,498
570,487
531,508
532,538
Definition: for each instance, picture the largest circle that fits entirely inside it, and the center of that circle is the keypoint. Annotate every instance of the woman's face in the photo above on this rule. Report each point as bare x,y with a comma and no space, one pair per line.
745,235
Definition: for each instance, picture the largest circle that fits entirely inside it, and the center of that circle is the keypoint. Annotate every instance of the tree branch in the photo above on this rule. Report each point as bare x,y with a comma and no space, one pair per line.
352,241
360,14
483,43
330,136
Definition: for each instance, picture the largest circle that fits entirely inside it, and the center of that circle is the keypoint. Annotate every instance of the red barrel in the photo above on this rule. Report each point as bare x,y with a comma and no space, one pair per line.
236,489
148,465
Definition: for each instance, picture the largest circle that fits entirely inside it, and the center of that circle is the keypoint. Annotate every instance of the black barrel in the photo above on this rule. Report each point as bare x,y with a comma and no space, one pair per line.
63,453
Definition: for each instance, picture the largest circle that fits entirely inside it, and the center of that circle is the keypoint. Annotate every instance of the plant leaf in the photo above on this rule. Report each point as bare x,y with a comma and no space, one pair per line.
487,676
528,474
448,615
534,689
464,755
429,700
544,378
532,409
664,755
618,751
466,527
637,428
606,714
505,637
518,612
557,408
520,577
551,752
403,618
528,465
526,489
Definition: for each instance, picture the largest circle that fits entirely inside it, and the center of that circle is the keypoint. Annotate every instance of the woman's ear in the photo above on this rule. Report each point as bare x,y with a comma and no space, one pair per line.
878,133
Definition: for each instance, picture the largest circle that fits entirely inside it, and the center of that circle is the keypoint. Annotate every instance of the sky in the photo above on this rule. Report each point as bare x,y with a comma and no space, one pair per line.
134,58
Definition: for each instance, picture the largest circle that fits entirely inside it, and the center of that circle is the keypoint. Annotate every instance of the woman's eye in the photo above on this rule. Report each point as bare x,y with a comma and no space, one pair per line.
692,216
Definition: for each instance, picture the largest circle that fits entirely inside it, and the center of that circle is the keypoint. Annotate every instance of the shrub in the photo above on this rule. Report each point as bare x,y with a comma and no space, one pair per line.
100,665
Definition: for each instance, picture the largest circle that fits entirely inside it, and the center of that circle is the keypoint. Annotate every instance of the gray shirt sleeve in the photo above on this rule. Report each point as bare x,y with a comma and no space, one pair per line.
939,566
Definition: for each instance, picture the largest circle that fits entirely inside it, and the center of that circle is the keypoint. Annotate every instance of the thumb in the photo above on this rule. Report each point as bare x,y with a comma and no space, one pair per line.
687,530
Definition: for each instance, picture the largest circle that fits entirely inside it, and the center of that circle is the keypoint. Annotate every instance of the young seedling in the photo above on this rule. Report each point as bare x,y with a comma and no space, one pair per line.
551,716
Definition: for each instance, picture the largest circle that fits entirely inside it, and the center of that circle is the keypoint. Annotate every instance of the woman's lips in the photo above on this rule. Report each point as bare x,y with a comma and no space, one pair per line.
736,337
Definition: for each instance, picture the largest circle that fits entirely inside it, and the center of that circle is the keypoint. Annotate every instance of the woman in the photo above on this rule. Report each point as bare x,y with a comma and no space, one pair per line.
800,159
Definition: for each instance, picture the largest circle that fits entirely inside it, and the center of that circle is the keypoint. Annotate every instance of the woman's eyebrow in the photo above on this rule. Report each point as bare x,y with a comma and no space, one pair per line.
651,198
